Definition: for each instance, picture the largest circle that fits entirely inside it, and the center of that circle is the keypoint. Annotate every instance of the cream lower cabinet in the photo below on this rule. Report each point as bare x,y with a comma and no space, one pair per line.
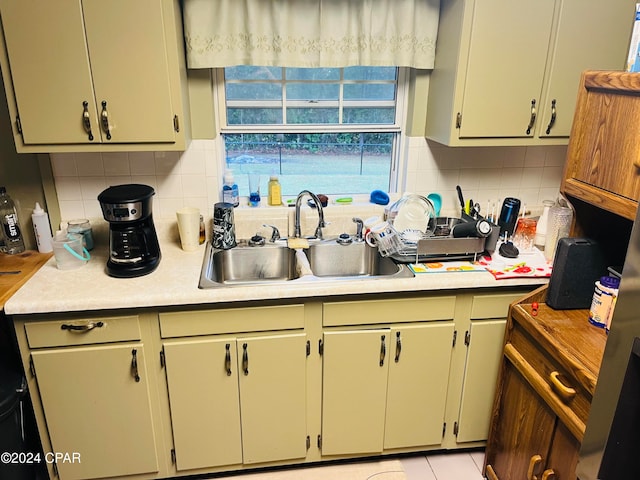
381,389
95,395
236,398
384,386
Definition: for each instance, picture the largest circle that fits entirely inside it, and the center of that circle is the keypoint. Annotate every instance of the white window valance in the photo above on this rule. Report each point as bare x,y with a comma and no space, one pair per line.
310,33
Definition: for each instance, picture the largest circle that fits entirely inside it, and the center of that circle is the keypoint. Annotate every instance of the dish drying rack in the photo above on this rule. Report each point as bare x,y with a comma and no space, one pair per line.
437,245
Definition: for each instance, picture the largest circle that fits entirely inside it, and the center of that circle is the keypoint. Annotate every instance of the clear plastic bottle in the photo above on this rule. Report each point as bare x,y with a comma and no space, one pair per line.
13,241
230,189
275,191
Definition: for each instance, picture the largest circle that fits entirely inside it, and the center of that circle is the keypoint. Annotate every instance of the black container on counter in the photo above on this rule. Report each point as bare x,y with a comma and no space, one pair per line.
224,234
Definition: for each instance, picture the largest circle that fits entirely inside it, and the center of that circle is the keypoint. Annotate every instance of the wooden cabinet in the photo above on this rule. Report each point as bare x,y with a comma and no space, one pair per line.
94,76
95,395
237,399
507,72
603,158
546,383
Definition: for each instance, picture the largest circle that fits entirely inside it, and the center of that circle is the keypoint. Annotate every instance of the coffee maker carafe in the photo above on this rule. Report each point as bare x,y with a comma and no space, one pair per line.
133,244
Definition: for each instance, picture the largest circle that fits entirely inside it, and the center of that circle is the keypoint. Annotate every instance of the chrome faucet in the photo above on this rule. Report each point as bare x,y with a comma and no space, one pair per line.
296,222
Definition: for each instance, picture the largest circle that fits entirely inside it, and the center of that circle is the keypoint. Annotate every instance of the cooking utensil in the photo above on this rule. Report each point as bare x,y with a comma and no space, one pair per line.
460,197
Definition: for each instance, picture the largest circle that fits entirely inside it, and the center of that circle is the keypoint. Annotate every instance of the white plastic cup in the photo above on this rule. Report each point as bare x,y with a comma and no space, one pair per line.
385,237
189,228
69,251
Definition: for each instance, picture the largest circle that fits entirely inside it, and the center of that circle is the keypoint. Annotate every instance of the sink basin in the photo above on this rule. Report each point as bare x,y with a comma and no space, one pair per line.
276,263
332,259
242,265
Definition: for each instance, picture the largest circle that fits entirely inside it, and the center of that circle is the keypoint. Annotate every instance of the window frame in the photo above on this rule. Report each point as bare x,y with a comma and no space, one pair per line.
398,127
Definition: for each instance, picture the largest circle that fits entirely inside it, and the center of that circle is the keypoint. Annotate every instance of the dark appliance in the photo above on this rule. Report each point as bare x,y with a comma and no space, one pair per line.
611,442
577,265
133,244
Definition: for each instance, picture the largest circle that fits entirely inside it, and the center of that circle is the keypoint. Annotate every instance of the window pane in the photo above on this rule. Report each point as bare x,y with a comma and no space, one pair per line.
371,91
333,164
312,115
254,116
253,91
246,72
317,74
370,73
313,91
372,116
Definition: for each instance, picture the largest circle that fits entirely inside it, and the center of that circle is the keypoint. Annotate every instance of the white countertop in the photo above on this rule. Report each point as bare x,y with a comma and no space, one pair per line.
175,282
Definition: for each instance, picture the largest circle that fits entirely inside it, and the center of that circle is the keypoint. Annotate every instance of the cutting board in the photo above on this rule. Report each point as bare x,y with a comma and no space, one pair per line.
27,263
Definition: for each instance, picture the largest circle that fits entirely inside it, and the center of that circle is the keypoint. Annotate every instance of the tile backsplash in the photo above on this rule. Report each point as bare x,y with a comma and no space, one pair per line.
194,177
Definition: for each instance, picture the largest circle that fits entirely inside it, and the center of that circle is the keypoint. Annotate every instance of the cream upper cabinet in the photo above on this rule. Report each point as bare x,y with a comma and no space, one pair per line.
93,76
507,71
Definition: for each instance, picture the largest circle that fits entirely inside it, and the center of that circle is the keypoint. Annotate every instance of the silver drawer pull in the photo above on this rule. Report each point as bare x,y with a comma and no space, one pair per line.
81,328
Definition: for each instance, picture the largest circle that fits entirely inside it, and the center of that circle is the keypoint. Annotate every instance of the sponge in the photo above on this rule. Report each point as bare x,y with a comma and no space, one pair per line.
379,197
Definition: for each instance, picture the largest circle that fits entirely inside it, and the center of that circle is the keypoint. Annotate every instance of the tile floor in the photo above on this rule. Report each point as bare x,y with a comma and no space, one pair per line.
435,466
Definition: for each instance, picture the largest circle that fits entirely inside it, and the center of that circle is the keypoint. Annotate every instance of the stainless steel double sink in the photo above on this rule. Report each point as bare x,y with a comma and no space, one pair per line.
276,263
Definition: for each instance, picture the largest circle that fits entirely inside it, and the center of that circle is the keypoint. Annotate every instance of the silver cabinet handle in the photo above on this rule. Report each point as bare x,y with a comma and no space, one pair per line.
86,120
552,121
383,350
227,359
134,365
532,120
104,117
81,328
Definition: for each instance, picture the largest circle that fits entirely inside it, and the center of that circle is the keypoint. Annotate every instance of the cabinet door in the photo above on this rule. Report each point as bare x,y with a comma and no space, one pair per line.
205,404
65,53
571,55
484,353
354,385
50,69
93,405
127,48
507,53
417,388
524,427
272,372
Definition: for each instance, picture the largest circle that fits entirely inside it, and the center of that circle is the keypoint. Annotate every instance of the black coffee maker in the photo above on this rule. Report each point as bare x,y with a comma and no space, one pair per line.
133,244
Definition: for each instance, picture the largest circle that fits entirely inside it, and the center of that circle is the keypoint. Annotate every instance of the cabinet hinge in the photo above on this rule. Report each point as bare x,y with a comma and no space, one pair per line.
455,428
308,442
162,362
458,120
173,456
308,348
320,347
176,123
444,429
32,367
455,337
18,124
320,441
467,338
55,469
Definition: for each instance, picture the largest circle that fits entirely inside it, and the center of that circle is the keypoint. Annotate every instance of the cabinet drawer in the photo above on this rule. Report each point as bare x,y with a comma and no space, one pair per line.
82,331
493,306
562,391
386,311
231,320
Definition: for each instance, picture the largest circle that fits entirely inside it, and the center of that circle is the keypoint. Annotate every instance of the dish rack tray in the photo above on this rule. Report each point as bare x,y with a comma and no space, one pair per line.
432,249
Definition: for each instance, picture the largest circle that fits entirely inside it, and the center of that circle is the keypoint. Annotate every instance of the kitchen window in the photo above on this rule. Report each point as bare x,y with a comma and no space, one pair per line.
330,130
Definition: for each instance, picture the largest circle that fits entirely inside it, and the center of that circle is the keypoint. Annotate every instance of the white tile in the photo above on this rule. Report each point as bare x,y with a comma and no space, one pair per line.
454,466
417,468
192,162
194,185
478,459
89,164
170,186
68,188
531,177
63,164
70,209
91,187
142,163
167,162
116,163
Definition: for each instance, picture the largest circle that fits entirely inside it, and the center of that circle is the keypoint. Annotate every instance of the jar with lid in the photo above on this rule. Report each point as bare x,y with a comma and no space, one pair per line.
603,303
541,226
559,225
83,227
275,192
